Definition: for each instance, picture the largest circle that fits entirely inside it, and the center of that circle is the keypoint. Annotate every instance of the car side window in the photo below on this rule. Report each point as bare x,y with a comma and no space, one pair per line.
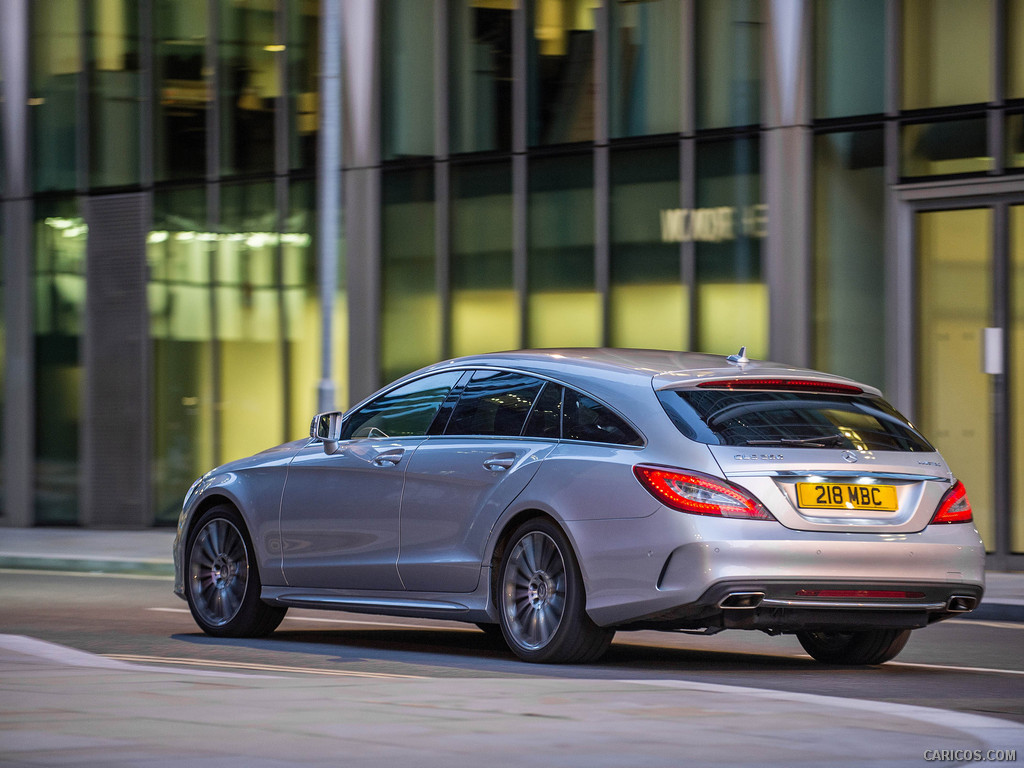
494,403
546,417
403,412
583,418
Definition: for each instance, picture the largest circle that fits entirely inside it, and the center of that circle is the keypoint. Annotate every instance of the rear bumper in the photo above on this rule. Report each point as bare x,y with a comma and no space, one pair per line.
788,606
676,568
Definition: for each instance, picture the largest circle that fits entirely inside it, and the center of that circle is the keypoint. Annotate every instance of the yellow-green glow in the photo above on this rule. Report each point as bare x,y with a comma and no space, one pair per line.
565,319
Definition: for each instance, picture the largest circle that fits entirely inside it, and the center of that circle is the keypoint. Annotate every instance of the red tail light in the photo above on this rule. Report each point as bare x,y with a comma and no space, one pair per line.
954,507
700,494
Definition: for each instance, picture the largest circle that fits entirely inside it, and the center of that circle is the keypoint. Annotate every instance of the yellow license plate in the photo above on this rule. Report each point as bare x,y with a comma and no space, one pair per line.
846,496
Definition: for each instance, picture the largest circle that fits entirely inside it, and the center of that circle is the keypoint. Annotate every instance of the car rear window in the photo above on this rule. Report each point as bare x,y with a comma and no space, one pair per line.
791,419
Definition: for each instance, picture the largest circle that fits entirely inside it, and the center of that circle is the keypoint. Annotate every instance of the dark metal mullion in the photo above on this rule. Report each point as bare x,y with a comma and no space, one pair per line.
995,125
213,214
82,101
147,102
520,168
442,177
688,164
602,233
281,136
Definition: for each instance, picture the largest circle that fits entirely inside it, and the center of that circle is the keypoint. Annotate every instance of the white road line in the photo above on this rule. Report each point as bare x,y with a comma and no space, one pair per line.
139,659
954,669
319,620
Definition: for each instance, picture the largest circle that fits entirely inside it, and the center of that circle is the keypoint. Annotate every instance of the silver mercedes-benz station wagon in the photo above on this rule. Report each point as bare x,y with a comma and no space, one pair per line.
556,496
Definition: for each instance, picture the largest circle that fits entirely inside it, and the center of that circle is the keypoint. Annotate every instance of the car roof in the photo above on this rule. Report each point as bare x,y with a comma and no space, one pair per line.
667,369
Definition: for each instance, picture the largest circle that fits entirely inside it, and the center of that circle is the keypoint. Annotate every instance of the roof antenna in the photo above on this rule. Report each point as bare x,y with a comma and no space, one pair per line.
739,359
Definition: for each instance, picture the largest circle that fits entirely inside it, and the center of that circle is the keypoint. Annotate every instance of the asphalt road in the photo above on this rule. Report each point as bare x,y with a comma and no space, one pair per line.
961,665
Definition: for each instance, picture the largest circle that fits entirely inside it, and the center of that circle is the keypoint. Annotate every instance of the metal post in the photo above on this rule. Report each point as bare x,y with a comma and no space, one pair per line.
328,191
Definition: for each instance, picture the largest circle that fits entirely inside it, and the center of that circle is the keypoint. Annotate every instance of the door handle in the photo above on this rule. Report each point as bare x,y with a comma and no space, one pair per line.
499,463
388,458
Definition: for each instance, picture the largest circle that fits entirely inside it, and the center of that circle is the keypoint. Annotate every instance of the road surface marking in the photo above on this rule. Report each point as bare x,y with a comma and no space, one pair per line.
954,669
138,659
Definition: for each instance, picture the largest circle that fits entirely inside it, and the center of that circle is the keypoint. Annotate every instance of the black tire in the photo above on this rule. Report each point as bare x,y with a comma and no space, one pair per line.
541,599
222,582
873,646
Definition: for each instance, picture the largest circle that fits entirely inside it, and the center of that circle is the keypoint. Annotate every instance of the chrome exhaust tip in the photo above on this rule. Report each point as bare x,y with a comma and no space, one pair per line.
961,604
741,600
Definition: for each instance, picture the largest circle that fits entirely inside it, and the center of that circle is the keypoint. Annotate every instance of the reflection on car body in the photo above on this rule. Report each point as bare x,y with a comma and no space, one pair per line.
559,496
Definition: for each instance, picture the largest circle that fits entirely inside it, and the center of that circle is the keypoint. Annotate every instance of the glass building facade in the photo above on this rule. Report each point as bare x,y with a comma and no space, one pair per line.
819,181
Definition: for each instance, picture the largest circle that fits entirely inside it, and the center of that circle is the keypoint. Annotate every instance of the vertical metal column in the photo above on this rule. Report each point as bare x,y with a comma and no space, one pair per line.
19,367
328,191
360,45
787,143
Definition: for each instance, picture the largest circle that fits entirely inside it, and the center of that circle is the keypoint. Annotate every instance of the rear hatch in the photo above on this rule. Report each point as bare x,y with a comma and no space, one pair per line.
821,454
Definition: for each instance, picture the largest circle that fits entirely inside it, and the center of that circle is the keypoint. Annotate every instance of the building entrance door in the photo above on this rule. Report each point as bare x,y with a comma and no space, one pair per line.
968,353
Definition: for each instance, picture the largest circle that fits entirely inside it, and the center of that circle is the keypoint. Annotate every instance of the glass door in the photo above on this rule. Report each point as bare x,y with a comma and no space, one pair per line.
955,263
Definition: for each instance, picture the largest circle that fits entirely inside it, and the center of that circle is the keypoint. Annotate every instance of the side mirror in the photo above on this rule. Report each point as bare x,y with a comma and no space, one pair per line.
326,427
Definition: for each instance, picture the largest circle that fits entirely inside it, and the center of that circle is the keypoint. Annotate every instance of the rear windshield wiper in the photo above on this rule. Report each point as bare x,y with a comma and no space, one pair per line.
825,441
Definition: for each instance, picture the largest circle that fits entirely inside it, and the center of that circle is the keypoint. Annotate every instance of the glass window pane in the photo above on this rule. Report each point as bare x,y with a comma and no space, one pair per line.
411,325
248,321
931,30
485,311
1015,140
849,49
564,308
728,227
180,311
645,71
494,403
950,146
562,71
583,418
849,255
403,412
55,67
546,417
1017,378
1014,49
648,303
183,90
728,63
248,52
407,46
60,241
303,71
480,74
114,95
954,261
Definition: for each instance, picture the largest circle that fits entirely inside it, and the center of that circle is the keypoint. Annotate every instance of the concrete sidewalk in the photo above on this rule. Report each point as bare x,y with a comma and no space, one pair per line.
148,552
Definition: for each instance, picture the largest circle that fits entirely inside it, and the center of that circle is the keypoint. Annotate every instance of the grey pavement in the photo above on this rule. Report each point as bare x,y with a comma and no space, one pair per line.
149,552
60,706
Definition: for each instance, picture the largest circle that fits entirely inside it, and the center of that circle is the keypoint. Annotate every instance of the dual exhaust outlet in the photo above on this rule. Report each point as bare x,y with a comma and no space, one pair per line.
750,600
